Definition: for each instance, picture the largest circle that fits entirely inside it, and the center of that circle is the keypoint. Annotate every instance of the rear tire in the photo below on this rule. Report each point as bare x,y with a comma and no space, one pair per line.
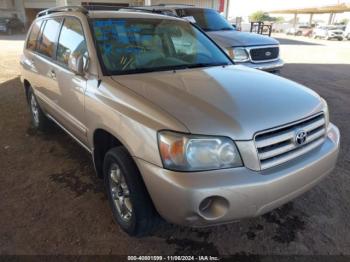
131,205
39,119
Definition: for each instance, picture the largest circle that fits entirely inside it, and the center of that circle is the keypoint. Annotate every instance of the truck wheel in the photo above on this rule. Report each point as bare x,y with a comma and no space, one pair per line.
131,205
39,119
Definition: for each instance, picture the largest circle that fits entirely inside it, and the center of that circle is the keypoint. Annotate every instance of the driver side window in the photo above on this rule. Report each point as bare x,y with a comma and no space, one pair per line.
71,41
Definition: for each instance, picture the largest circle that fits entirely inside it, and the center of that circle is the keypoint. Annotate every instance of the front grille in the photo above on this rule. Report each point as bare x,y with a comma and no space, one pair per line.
278,145
262,54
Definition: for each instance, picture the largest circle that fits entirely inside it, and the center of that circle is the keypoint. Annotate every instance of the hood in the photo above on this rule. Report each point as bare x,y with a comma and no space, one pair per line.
234,101
236,38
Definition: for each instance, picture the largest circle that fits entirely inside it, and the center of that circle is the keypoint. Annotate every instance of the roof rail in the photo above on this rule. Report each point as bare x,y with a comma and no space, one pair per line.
174,4
63,9
119,8
140,9
92,7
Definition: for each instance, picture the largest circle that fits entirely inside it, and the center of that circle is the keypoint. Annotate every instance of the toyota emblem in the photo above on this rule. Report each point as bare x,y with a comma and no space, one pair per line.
300,137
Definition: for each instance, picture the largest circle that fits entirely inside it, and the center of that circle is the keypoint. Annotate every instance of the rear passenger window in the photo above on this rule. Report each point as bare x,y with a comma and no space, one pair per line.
71,41
33,36
48,37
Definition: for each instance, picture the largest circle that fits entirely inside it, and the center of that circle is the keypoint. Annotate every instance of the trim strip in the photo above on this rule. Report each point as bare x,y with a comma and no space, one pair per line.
69,133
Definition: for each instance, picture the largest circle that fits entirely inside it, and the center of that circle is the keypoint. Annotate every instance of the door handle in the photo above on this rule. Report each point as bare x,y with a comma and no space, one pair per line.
52,74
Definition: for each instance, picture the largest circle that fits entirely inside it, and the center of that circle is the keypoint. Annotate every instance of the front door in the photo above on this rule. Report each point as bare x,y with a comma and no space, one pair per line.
71,42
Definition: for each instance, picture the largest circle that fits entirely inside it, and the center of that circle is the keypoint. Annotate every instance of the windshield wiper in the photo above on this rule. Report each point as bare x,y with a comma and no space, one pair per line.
207,65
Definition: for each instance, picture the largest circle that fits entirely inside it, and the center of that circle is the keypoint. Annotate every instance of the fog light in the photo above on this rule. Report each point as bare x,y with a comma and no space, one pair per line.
213,207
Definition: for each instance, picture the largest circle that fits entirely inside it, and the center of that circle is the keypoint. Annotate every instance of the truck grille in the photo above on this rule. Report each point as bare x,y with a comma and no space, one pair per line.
280,145
262,54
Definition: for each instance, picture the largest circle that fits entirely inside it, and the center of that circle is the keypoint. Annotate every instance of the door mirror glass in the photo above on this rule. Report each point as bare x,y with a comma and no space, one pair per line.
76,64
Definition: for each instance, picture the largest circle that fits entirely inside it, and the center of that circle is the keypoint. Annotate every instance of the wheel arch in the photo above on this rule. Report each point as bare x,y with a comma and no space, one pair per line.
102,141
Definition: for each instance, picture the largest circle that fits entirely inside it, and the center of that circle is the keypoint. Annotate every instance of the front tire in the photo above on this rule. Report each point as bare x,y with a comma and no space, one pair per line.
131,205
39,119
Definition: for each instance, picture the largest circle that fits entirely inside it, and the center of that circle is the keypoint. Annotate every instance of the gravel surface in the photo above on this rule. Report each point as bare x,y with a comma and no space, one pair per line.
52,203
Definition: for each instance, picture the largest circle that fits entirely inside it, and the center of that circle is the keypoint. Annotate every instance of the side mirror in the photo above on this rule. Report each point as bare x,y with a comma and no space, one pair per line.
76,64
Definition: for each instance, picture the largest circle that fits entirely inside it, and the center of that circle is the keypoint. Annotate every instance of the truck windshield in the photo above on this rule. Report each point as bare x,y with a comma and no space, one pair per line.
207,19
134,45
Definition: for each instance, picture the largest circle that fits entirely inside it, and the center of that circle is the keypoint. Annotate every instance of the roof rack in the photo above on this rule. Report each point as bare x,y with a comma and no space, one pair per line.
63,9
86,8
119,8
173,4
140,9
92,7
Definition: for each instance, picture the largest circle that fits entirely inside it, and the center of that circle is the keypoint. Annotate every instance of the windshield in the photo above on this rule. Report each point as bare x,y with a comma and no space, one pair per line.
207,19
133,45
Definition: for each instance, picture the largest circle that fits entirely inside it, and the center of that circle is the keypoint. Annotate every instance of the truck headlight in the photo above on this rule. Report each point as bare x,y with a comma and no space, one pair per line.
238,54
184,152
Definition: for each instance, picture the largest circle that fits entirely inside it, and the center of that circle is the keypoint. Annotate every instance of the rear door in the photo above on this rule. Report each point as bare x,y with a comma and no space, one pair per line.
70,98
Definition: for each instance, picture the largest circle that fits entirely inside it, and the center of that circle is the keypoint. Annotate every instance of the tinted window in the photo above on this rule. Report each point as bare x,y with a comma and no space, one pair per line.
71,41
207,19
33,36
48,37
145,45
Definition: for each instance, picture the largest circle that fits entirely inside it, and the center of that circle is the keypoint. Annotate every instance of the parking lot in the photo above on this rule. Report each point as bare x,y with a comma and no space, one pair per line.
52,203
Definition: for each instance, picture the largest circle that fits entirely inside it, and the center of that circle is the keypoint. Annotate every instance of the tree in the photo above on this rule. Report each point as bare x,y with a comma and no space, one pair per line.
259,16
279,19
344,21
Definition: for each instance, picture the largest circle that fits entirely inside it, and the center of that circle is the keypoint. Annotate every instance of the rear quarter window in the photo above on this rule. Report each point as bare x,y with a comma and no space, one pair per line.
33,35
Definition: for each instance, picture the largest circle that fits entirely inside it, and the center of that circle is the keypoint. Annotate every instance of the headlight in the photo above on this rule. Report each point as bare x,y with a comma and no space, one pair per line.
238,54
184,152
326,111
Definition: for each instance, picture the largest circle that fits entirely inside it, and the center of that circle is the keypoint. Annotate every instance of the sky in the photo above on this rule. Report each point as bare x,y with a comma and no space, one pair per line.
245,7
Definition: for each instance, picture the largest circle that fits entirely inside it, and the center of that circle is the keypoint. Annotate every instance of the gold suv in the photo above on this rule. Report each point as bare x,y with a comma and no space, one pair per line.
175,128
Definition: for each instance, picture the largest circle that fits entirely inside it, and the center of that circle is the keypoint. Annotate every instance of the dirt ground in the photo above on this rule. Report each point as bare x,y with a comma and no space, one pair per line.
52,203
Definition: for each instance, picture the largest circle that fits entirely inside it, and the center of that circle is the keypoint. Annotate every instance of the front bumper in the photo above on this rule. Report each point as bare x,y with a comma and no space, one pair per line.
237,193
266,66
